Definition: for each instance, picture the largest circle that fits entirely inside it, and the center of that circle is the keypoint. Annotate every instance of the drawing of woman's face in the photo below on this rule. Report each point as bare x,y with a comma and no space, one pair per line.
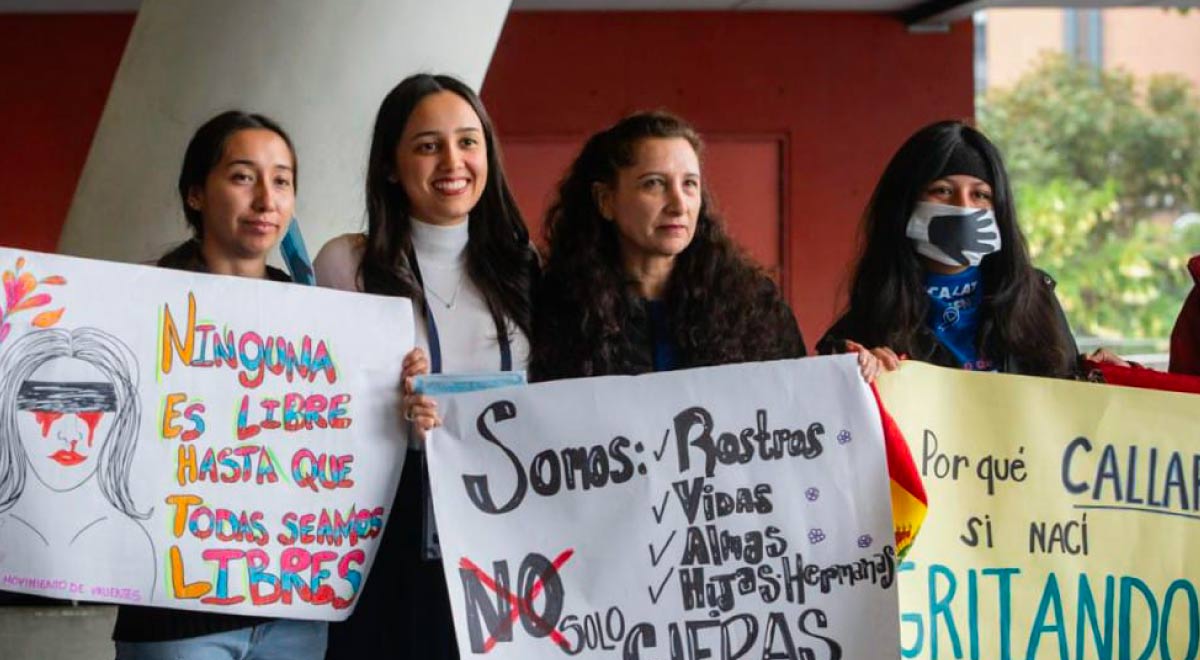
64,413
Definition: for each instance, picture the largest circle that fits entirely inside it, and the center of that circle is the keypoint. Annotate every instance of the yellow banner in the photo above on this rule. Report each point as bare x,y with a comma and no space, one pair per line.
1064,518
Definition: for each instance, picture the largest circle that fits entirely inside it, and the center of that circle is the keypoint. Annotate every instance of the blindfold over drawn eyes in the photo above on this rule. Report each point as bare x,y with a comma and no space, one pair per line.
57,396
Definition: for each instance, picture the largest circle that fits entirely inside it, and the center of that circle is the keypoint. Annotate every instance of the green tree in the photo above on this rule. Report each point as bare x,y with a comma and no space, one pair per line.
1101,164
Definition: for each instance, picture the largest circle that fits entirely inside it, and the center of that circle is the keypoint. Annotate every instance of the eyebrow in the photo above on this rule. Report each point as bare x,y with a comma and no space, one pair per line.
657,173
464,129
946,180
250,163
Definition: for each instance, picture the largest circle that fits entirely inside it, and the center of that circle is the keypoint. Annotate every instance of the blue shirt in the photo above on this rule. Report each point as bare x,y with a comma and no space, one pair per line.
954,302
660,332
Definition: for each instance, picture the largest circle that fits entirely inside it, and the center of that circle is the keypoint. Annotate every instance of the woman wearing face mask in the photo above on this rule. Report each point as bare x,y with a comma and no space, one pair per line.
641,275
238,190
945,276
442,229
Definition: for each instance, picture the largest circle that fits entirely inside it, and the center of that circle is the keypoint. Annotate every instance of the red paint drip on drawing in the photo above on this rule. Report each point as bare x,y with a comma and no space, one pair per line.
92,419
46,419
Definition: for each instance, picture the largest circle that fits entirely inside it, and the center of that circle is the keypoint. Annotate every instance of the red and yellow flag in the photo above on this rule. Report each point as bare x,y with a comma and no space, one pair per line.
909,502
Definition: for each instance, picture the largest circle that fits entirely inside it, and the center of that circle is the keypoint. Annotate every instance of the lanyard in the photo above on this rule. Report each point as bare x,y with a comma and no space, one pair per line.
435,344
431,545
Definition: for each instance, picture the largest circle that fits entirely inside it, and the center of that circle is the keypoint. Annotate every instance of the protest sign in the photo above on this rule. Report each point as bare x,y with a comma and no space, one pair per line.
1062,518
194,441
727,512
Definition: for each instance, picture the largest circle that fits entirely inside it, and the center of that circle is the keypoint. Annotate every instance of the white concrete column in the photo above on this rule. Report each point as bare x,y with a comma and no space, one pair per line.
319,67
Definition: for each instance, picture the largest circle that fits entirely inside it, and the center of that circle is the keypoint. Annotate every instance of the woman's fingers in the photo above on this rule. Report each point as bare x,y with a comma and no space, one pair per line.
415,354
426,422
418,409
421,410
868,365
888,360
415,364
1105,356
884,358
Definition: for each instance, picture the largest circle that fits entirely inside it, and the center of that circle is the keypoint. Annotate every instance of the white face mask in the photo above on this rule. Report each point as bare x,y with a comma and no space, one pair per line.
953,235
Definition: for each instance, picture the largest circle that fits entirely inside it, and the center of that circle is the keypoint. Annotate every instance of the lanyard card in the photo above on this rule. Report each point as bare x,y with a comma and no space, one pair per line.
438,384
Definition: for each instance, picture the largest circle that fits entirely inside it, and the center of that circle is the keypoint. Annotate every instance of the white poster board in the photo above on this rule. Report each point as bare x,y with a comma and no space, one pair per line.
194,441
727,512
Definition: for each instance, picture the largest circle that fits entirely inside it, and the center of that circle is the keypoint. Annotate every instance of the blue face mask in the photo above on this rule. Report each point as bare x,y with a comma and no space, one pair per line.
953,235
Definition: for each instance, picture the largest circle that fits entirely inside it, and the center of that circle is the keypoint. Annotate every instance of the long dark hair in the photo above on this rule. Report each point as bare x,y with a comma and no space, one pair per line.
500,261
721,307
204,152
887,297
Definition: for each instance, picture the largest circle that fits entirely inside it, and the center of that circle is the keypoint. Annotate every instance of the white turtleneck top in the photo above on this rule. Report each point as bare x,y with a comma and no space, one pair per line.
465,327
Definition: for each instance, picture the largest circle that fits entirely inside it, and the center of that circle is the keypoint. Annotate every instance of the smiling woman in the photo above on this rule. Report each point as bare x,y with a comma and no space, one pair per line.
443,230
442,127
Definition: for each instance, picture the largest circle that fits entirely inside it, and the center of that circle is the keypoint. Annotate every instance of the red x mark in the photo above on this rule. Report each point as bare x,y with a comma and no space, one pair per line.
519,604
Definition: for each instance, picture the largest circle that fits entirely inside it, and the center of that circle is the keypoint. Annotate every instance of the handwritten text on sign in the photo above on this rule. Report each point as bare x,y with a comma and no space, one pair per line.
1063,518
727,512
194,441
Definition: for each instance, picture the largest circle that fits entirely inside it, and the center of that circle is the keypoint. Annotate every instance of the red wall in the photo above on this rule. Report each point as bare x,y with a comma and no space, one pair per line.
55,71
845,89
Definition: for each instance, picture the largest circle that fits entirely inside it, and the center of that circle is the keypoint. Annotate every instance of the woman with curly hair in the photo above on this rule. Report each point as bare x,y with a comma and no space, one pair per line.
641,275
945,276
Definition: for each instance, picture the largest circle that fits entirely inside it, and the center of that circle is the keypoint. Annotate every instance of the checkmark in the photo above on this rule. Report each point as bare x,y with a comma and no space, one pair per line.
653,559
655,596
660,510
663,449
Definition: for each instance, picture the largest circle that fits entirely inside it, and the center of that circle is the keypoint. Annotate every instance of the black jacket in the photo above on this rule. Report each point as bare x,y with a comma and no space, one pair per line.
556,322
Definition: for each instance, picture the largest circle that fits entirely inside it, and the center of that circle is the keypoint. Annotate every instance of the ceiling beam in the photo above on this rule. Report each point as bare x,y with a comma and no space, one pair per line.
938,14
